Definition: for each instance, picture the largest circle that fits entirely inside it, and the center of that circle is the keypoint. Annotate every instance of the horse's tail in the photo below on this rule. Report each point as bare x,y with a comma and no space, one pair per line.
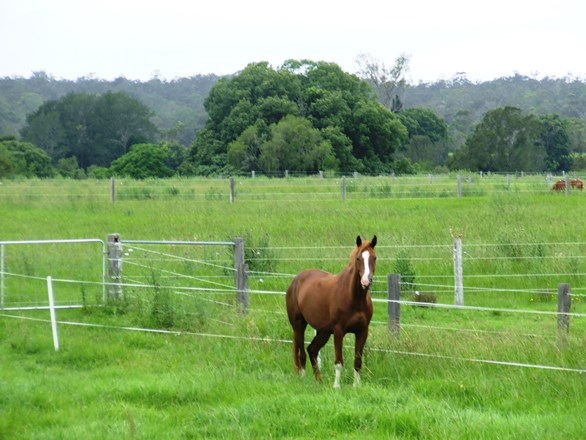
291,298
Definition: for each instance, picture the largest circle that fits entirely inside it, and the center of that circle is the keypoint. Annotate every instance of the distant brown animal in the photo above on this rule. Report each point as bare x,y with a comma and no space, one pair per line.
577,183
560,185
333,304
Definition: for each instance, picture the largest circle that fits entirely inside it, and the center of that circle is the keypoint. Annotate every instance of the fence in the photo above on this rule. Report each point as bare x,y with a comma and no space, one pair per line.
155,259
23,274
22,277
248,189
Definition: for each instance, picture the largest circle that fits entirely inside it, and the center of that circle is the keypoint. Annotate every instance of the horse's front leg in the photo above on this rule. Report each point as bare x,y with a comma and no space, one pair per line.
359,348
339,363
320,339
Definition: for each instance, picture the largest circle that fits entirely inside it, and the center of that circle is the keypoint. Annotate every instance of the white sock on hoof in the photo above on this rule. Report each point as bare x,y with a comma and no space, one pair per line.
302,372
356,378
338,368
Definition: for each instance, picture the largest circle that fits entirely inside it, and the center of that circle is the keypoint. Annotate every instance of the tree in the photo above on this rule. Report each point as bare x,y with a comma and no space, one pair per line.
244,152
428,136
388,82
23,159
556,141
505,140
143,161
376,134
296,145
93,129
342,106
117,122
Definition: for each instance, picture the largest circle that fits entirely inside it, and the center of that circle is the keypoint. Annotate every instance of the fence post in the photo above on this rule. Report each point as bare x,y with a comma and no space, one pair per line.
52,313
459,186
567,183
564,302
394,295
508,182
113,189
458,273
114,267
343,187
2,286
241,276
232,193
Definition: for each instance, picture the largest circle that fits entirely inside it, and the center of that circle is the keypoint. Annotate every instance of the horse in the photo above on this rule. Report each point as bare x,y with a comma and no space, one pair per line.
333,304
577,183
560,185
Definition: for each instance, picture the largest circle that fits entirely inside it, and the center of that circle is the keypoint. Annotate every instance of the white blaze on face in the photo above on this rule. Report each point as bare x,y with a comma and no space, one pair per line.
365,281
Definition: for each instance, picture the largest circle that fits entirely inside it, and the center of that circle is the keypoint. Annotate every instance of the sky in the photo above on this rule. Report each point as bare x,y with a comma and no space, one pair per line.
170,39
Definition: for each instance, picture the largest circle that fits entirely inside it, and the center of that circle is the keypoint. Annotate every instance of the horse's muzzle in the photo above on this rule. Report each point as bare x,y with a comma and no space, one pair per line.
366,282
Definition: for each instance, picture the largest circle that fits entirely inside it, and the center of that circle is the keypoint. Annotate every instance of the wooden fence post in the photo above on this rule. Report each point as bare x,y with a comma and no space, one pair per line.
241,276
564,303
567,184
232,192
114,267
458,273
459,186
113,189
394,295
343,187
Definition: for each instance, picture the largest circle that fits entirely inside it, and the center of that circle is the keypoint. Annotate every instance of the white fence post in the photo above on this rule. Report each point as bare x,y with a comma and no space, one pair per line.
458,273
52,313
2,285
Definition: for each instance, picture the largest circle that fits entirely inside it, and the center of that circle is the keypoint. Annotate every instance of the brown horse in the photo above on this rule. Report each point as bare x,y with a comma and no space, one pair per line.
577,183
560,185
333,304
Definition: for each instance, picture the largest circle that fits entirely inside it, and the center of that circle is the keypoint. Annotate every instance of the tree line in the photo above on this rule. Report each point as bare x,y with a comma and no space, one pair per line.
304,116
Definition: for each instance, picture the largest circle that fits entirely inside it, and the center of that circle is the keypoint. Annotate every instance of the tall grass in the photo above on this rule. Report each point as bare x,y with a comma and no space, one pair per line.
216,373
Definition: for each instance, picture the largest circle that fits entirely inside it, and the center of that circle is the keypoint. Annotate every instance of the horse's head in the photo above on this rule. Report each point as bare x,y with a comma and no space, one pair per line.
365,260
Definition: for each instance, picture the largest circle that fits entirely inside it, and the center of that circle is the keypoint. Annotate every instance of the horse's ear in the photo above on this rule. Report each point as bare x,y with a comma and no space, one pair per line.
373,242
358,241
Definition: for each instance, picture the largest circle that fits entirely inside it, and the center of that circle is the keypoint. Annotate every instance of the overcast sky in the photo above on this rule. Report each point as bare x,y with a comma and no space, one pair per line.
138,39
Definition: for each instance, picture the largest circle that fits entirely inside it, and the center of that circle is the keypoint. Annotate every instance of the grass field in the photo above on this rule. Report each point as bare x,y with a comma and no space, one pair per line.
209,372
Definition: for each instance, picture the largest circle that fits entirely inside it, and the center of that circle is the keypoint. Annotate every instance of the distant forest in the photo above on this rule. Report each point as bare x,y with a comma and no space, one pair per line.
178,112
178,104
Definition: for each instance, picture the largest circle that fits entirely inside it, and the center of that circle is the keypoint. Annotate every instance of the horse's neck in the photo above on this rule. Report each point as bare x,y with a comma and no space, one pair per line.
351,278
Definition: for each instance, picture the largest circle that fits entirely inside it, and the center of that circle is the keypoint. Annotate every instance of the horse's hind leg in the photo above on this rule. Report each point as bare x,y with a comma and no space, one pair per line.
320,339
299,356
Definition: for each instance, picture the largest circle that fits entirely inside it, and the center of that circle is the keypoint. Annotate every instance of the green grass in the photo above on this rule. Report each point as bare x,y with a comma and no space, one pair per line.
106,382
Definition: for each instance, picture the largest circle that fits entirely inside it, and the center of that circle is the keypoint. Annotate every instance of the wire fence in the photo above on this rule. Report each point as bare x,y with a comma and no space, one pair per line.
196,284
262,188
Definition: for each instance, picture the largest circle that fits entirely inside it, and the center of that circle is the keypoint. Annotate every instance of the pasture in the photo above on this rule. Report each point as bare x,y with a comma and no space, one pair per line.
175,358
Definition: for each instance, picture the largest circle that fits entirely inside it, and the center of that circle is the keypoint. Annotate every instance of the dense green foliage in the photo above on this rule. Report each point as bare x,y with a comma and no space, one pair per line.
248,115
108,382
432,126
93,129
142,161
23,159
177,104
